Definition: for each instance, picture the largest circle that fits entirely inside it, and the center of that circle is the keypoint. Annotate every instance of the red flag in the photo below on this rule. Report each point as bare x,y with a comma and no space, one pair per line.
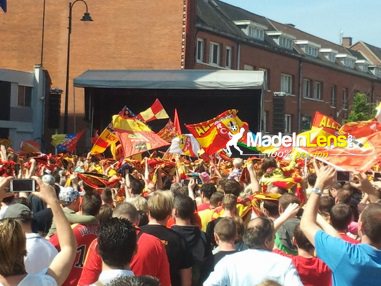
168,132
135,136
156,111
176,123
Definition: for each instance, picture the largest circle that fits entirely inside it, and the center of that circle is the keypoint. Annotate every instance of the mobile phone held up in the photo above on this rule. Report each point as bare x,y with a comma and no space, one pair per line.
22,185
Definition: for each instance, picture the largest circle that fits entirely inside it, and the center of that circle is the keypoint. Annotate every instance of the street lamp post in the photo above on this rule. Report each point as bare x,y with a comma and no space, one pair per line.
86,17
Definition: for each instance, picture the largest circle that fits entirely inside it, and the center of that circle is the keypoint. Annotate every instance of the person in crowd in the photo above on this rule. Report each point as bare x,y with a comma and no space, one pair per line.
341,216
196,239
312,270
351,264
285,233
115,237
225,233
84,235
39,251
144,280
13,245
256,264
70,201
150,258
236,172
160,206
206,191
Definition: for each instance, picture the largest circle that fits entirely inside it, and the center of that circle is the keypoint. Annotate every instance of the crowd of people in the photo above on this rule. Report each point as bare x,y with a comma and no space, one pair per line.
173,221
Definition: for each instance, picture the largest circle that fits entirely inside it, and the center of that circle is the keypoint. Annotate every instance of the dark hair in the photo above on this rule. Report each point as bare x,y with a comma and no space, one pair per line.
216,198
127,211
287,199
259,231
136,186
326,204
301,240
106,196
184,206
105,213
208,190
268,163
311,179
145,280
371,222
91,203
117,236
231,186
226,229
344,195
271,207
341,215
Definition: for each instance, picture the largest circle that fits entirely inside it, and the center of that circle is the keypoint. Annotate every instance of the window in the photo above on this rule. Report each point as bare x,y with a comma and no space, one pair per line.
306,122
200,50
311,51
286,83
318,90
256,33
333,96
345,98
285,43
228,57
214,54
24,96
306,88
287,123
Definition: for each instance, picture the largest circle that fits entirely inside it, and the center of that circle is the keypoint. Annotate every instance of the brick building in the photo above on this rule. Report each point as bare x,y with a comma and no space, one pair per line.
304,73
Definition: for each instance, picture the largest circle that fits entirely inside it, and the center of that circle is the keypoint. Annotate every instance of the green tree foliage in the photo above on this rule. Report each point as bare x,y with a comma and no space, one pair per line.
361,109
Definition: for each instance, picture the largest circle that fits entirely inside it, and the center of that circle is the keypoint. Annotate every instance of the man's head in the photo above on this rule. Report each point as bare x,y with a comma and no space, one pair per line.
259,234
301,240
127,211
91,203
160,205
207,190
69,197
341,216
370,223
231,186
287,199
216,199
136,186
117,237
225,230
183,207
229,202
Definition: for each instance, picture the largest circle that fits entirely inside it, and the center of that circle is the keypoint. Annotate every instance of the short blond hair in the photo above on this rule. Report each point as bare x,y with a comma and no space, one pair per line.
160,204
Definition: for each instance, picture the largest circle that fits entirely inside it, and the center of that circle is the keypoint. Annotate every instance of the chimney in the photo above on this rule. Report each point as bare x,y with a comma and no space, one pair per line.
346,42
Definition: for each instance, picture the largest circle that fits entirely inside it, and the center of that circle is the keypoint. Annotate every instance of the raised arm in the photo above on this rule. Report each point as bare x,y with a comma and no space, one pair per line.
61,265
308,222
366,187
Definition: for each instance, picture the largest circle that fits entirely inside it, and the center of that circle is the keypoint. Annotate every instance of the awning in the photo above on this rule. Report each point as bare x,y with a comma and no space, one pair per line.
171,79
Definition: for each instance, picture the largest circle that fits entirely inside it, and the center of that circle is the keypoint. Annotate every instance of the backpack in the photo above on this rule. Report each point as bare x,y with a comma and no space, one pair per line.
202,260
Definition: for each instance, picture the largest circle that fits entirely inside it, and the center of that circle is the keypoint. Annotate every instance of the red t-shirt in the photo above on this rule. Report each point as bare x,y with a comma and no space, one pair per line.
84,235
347,238
150,259
312,271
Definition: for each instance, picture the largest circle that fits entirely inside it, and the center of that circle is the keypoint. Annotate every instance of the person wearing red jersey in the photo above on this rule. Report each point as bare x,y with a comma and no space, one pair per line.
84,235
150,258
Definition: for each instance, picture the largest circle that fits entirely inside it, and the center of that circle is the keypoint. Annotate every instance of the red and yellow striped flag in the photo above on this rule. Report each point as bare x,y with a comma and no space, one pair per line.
104,140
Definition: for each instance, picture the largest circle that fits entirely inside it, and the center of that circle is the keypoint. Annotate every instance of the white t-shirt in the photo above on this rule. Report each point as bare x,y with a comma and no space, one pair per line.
107,276
39,253
253,266
38,279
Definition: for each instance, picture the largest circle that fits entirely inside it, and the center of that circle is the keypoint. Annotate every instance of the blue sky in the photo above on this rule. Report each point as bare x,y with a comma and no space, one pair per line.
359,19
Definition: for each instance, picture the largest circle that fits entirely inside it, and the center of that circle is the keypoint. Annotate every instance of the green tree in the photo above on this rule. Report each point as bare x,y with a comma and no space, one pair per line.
361,109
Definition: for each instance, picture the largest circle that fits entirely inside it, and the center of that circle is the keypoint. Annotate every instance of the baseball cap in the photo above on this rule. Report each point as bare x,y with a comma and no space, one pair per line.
68,195
17,211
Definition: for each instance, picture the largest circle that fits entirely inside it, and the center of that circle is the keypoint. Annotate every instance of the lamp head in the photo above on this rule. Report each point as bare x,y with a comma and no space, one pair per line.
86,17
